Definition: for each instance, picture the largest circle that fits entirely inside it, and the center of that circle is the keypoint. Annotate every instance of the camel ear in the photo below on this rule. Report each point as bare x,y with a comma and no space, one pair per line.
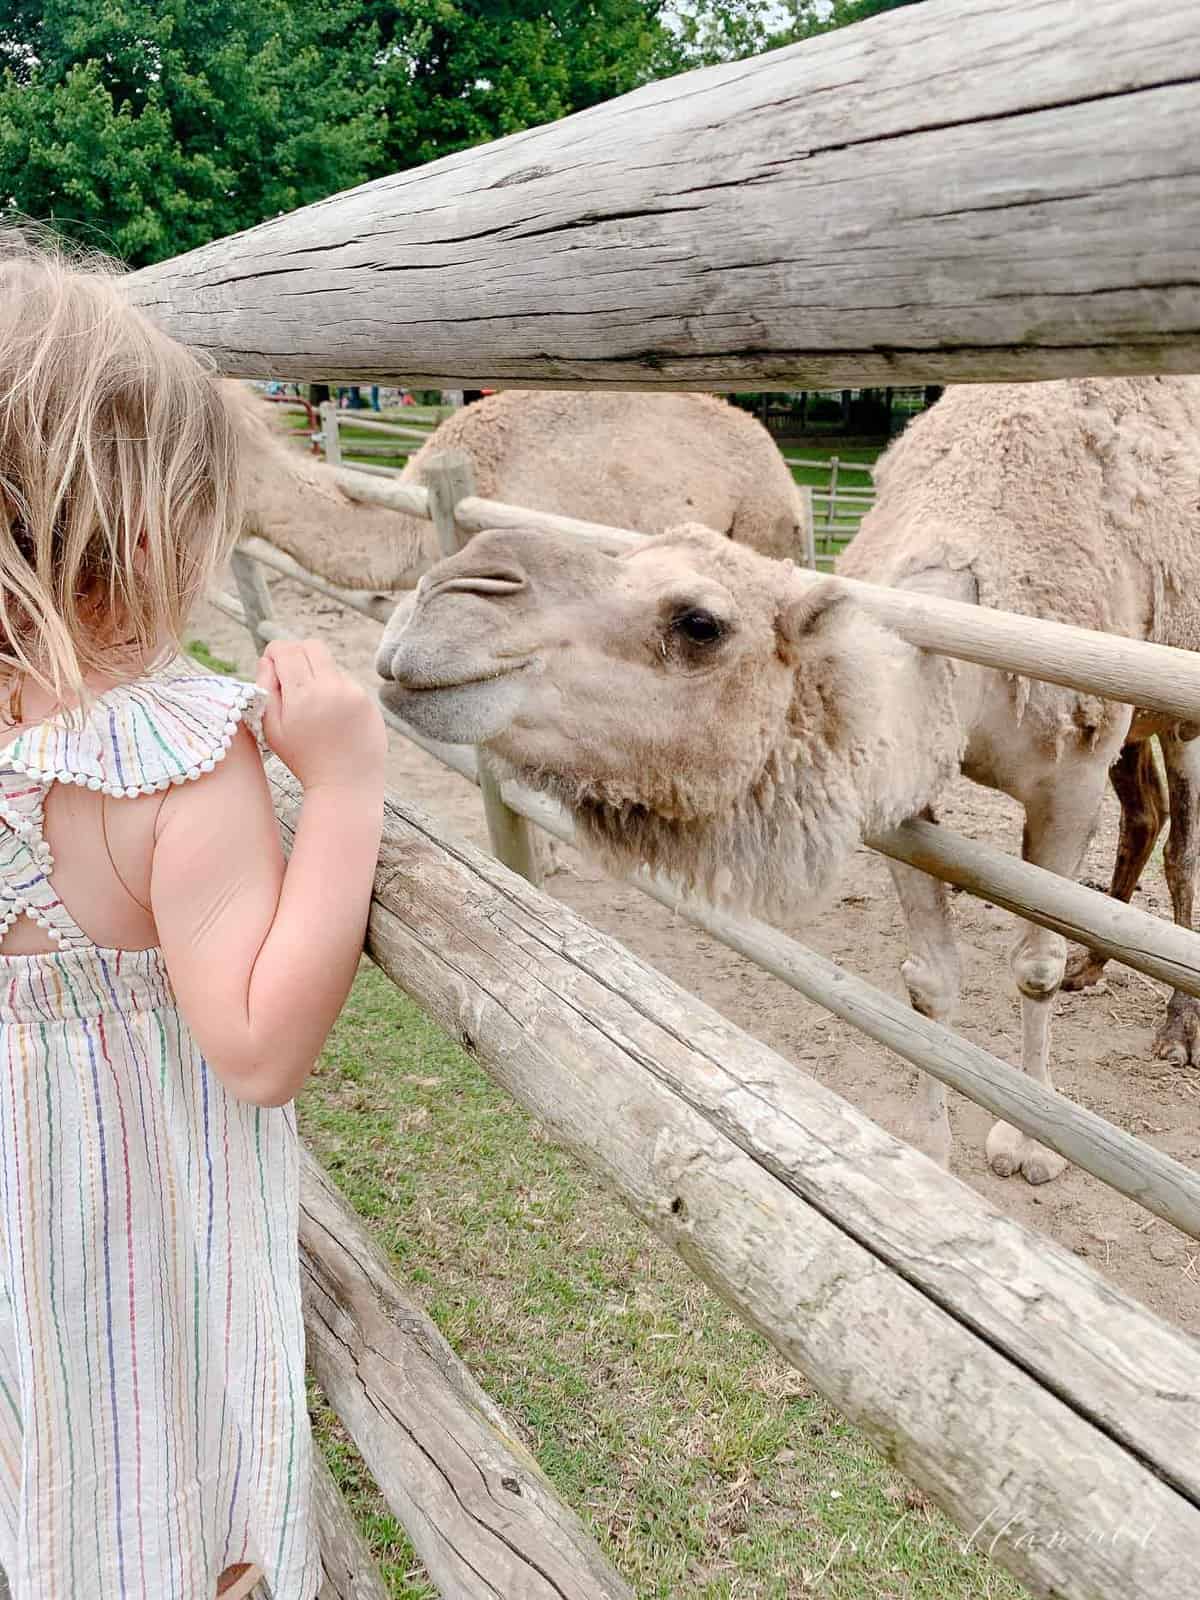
806,605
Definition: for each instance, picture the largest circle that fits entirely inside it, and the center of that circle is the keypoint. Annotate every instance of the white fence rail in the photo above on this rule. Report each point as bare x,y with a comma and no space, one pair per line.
337,444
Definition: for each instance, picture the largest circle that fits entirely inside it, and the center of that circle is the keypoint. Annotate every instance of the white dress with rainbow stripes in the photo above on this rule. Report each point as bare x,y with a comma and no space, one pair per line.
153,1427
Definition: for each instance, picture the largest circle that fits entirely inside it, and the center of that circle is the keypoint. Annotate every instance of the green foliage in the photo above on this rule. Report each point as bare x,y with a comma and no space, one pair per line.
199,651
145,127
724,30
455,72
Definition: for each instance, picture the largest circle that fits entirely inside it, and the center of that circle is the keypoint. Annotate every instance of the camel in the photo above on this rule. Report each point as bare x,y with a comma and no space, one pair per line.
641,461
707,712
295,502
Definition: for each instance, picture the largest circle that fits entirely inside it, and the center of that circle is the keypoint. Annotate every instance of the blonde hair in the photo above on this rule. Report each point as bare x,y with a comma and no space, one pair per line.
118,475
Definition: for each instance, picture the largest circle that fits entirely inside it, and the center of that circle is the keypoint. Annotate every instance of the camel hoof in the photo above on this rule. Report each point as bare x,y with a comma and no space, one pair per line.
1005,1149
1084,971
1178,1038
1039,1165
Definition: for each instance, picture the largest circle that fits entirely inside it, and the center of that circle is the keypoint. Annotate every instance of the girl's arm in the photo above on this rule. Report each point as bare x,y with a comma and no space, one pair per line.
262,958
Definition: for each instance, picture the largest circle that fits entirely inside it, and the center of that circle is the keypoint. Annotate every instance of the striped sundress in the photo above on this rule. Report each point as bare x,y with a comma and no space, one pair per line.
153,1426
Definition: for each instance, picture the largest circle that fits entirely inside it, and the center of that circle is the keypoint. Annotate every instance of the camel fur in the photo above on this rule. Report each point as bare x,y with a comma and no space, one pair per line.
640,461
294,501
701,710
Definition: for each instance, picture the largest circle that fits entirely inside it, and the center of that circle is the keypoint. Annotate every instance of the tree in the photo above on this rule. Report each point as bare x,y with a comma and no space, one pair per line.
149,126
709,31
452,73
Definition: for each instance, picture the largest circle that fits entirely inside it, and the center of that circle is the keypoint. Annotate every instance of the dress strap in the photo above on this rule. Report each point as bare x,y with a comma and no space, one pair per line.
169,727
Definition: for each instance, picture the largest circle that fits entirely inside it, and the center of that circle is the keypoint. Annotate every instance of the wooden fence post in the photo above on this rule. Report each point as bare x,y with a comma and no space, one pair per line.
808,533
831,504
255,598
329,433
449,479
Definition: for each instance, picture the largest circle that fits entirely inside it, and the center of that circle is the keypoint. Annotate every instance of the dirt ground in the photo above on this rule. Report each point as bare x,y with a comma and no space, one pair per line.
1102,1038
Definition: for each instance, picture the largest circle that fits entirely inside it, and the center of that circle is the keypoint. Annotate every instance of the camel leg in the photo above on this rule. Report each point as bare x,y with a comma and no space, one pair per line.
1060,814
1143,796
931,974
1178,1038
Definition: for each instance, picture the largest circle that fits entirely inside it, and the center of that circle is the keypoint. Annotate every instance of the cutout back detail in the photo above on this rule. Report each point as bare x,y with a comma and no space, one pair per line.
132,744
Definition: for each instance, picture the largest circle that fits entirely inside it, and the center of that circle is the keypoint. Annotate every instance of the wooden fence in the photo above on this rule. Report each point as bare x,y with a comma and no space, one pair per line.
1102,664
837,508
336,445
1037,219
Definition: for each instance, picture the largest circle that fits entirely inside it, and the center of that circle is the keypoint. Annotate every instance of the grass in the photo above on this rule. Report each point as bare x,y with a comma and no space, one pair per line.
200,652
705,1466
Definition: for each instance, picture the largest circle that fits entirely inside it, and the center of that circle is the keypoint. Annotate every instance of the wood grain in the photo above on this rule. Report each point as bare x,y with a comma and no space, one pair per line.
1134,1168
981,189
350,1571
1111,927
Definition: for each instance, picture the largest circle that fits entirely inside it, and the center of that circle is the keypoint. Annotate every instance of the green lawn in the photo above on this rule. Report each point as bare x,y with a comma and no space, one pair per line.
425,417
706,1466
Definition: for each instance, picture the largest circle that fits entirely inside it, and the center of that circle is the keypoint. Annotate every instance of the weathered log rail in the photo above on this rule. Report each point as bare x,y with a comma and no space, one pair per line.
985,189
477,1507
1127,1164
1032,1397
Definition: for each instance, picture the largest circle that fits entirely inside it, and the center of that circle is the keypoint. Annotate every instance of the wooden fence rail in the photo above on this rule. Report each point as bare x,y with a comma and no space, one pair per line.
996,1370
1135,1169
477,1507
1154,676
1120,932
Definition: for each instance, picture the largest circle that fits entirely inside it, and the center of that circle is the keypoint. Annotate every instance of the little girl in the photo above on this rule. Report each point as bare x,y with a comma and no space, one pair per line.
165,981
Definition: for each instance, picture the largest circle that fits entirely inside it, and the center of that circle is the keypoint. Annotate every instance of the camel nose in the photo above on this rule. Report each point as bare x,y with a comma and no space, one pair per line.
419,646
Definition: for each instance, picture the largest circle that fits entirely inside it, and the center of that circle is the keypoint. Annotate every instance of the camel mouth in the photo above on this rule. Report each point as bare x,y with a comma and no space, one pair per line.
432,685
458,710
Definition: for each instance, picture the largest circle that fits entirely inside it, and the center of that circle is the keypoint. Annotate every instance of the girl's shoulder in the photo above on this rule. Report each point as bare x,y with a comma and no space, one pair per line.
173,724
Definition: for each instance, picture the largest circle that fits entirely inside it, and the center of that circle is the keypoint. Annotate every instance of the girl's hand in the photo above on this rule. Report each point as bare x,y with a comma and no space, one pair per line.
318,721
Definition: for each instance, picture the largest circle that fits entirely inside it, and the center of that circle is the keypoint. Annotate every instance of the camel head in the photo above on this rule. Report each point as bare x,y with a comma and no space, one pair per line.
698,708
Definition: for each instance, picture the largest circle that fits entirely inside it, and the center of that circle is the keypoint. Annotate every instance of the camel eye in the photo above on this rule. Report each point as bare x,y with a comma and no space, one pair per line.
698,626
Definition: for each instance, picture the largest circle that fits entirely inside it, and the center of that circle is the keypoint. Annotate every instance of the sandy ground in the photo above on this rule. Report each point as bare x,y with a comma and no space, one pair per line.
1102,1039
